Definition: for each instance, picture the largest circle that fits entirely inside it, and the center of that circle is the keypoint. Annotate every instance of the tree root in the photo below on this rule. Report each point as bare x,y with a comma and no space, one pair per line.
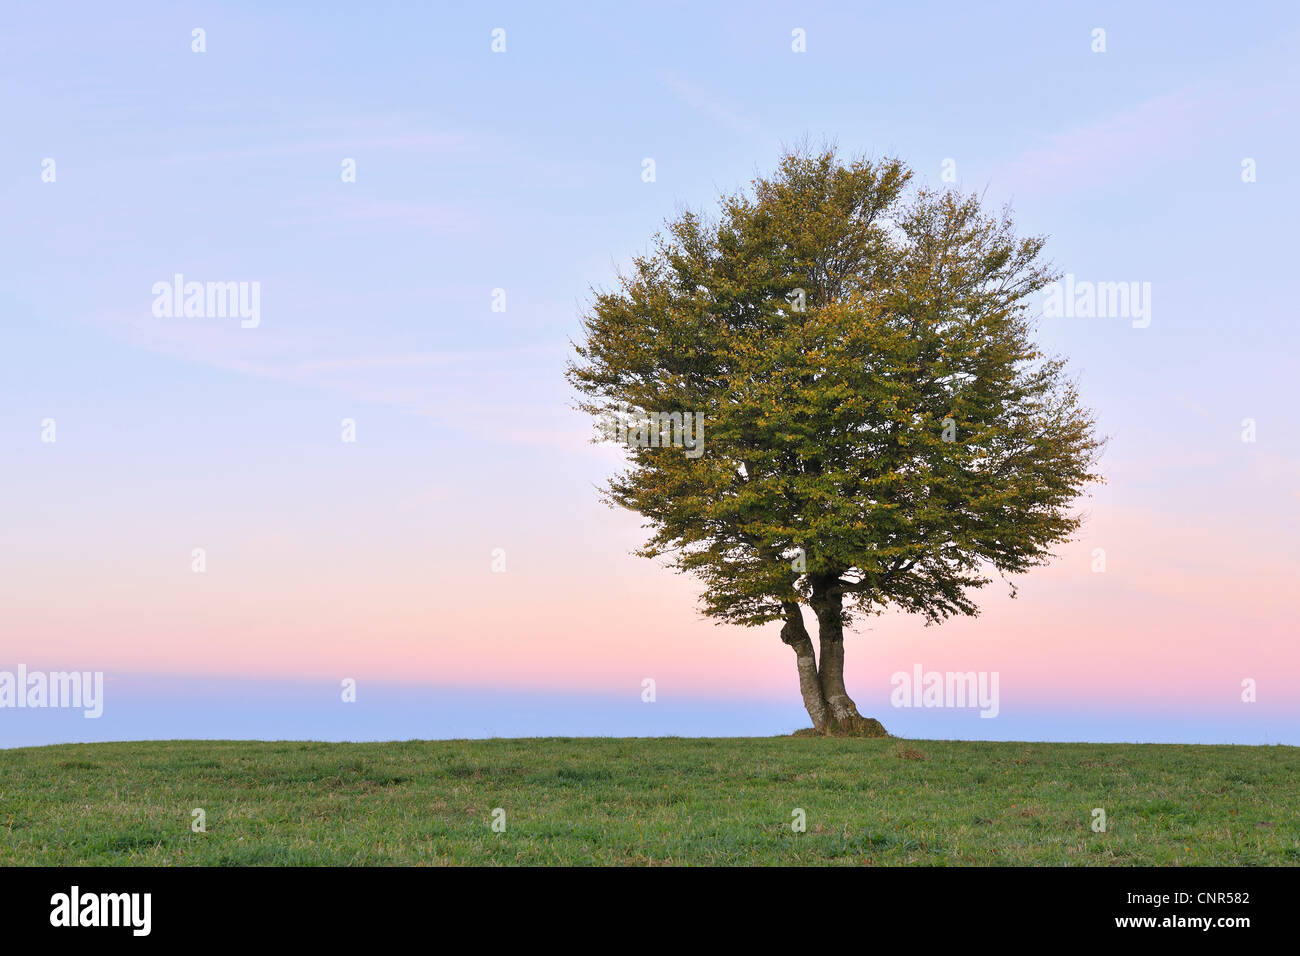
847,727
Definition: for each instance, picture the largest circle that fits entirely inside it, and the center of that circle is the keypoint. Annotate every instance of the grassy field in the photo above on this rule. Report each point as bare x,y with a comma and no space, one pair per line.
649,801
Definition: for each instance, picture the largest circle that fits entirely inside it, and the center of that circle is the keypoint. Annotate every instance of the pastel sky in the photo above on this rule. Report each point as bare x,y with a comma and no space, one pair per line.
522,171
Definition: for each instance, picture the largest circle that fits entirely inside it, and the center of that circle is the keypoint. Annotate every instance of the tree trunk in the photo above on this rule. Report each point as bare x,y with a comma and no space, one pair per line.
830,633
844,716
795,634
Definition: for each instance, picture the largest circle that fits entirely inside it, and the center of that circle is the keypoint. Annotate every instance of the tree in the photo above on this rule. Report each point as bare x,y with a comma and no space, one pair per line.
879,428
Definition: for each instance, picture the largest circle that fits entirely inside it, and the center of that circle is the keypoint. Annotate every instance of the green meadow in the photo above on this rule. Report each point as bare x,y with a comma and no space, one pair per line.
669,801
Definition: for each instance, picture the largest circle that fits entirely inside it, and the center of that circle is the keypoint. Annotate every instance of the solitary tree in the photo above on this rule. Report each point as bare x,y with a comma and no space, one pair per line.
879,427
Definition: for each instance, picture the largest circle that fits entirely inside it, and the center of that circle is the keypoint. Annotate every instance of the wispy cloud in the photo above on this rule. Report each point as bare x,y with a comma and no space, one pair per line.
1169,128
418,142
707,103
425,358
431,217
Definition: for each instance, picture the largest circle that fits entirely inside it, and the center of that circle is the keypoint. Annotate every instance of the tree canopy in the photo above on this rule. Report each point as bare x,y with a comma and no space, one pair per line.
880,427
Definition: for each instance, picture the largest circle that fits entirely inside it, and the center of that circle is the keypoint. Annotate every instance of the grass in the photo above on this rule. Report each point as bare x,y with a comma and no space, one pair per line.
649,801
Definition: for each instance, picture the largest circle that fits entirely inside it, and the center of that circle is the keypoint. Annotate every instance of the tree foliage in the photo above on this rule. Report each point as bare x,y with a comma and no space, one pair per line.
881,428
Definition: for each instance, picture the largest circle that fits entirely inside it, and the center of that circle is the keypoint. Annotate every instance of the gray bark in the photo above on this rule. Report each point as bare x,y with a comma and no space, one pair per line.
795,634
830,634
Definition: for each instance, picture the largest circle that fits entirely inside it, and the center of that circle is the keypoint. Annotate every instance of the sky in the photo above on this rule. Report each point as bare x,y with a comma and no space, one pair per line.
453,560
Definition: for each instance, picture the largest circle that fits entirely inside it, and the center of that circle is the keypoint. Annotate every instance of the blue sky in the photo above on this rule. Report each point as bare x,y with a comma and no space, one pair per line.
522,171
